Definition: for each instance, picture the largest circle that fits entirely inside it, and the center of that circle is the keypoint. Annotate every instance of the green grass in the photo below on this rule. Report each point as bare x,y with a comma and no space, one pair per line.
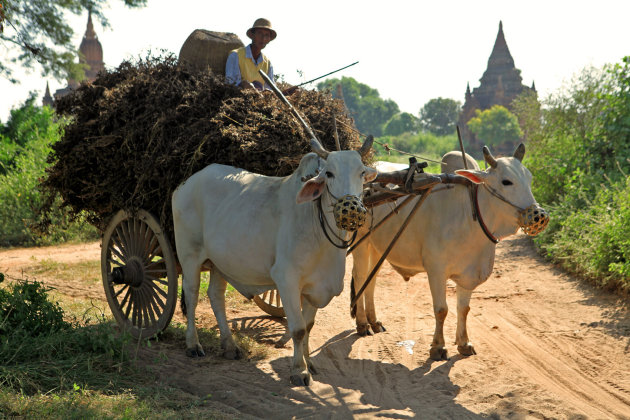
79,366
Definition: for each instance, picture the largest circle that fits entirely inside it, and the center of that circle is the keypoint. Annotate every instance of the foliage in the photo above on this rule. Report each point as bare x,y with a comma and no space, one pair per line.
24,147
579,155
364,104
440,115
36,31
401,123
496,126
26,307
424,144
41,351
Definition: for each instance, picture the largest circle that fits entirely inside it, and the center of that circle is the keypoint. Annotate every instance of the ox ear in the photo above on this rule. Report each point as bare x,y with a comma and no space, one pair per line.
370,174
311,189
478,177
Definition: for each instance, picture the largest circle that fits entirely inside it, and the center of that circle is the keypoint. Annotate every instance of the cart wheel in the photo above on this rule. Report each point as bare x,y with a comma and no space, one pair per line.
270,303
139,274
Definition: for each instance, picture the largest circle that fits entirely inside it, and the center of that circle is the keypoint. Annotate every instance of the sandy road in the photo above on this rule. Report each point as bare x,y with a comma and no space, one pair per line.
548,346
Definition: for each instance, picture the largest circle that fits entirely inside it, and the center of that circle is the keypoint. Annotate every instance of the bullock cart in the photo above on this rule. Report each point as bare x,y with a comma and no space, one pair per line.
140,269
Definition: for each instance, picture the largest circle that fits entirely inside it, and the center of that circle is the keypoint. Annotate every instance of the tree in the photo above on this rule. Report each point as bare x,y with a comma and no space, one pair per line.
495,126
35,31
401,123
364,104
439,116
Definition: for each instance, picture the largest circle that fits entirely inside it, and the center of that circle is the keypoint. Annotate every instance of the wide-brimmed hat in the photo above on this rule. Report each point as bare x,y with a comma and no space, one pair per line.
263,24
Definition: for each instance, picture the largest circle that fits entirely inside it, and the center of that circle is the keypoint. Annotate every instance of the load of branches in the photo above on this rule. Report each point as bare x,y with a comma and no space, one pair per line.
137,132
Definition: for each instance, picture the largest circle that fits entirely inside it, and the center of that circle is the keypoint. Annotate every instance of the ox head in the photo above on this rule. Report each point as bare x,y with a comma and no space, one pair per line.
510,181
341,174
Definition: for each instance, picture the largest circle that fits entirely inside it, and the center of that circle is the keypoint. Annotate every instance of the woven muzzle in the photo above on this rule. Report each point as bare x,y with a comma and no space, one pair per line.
349,213
533,219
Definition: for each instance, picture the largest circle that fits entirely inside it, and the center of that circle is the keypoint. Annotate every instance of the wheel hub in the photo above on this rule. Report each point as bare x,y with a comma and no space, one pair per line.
132,273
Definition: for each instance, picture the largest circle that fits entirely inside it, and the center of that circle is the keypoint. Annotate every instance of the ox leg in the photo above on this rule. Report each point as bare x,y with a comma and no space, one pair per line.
216,293
308,314
437,284
364,259
290,295
191,271
464,346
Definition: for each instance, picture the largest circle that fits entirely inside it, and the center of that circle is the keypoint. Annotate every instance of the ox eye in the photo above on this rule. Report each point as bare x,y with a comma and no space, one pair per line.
506,182
330,174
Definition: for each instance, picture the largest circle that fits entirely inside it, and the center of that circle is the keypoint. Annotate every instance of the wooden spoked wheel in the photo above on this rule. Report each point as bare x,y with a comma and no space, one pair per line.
139,273
270,303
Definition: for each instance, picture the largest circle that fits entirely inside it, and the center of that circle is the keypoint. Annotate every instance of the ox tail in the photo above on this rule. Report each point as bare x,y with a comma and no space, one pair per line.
353,293
183,304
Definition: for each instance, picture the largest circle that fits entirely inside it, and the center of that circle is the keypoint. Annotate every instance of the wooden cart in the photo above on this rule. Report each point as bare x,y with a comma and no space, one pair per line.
140,271
139,268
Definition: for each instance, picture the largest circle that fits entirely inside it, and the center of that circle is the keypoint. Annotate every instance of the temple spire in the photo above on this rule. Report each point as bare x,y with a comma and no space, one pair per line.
47,99
89,31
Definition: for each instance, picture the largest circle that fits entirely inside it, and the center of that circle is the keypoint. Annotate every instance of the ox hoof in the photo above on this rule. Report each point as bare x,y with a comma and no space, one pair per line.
378,327
466,349
438,354
363,330
301,380
195,352
233,354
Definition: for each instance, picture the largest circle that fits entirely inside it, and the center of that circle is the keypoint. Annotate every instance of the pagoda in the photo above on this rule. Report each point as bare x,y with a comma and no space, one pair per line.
499,85
91,54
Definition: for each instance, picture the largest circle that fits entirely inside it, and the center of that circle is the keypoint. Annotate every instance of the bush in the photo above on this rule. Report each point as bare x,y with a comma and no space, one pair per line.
25,307
41,351
24,147
579,155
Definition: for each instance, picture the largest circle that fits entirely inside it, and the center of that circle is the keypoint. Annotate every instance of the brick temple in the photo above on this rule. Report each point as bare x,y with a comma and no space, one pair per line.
499,85
91,54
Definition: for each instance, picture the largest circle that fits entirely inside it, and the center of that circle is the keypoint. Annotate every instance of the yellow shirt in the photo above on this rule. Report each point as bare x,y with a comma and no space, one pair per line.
249,70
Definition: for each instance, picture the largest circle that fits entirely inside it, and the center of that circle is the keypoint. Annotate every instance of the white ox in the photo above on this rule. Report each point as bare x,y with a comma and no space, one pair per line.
444,241
260,233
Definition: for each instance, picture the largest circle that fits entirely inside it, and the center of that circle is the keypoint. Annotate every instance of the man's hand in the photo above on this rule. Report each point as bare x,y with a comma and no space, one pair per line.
246,85
289,91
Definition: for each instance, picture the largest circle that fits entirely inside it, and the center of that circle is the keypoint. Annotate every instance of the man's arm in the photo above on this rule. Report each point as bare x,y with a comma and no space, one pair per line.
232,69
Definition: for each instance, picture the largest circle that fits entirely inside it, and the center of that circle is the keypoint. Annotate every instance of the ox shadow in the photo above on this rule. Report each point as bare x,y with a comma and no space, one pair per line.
344,387
384,389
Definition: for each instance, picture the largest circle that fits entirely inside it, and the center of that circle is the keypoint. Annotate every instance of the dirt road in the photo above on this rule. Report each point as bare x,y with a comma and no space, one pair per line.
548,346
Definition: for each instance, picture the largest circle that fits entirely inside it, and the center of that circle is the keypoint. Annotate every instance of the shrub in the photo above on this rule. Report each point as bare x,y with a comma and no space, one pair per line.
24,147
579,155
40,351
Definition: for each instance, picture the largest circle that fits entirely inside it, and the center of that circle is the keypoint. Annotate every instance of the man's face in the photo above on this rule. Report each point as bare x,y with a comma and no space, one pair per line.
261,37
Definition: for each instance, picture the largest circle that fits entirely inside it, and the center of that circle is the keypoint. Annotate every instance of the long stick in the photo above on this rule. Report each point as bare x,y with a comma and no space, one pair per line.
470,191
286,102
327,74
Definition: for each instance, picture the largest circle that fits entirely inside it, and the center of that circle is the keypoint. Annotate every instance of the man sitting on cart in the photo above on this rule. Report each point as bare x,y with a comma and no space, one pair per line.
243,63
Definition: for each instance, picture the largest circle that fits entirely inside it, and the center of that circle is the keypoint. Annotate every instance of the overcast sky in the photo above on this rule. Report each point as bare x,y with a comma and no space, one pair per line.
411,51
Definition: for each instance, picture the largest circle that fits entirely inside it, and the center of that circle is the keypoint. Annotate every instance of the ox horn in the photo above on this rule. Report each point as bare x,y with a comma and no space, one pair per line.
489,158
367,145
519,153
318,148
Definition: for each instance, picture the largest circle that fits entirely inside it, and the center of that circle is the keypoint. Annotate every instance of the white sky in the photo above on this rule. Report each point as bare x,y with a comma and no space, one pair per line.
411,51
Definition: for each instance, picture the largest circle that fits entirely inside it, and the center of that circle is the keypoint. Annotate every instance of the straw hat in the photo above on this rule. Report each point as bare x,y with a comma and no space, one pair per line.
263,24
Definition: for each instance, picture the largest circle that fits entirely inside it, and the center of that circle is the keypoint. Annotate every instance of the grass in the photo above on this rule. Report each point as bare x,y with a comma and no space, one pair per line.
89,370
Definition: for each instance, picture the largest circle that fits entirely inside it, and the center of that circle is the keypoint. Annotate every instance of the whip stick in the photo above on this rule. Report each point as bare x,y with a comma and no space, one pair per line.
327,74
